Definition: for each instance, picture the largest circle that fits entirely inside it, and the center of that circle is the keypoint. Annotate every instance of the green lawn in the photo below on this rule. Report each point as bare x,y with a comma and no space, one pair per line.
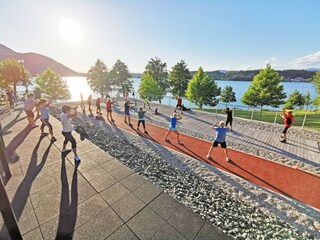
312,119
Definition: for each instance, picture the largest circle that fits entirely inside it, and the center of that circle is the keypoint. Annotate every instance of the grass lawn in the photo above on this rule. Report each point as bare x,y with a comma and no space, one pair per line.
312,118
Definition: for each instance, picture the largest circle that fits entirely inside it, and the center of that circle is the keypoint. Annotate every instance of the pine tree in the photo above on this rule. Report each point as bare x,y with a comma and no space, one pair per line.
179,78
120,77
98,79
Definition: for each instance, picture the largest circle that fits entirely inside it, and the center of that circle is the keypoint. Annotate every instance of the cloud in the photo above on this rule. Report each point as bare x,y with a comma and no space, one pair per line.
272,60
311,60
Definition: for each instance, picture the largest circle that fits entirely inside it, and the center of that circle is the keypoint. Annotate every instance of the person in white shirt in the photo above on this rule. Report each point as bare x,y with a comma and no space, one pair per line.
28,107
68,112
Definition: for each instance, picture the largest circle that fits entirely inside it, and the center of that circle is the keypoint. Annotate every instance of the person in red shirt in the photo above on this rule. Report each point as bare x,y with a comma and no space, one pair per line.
98,102
109,109
288,121
179,104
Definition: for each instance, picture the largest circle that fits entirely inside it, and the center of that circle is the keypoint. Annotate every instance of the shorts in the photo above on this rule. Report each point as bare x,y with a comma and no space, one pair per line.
222,144
172,128
45,122
143,123
69,138
229,120
127,112
109,111
29,113
179,105
285,130
98,107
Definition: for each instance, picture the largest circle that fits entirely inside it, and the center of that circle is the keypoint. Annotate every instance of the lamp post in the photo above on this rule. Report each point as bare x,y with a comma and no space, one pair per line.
21,61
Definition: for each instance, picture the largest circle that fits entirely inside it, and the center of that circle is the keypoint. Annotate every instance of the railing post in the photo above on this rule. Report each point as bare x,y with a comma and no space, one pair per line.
252,115
275,119
304,120
169,101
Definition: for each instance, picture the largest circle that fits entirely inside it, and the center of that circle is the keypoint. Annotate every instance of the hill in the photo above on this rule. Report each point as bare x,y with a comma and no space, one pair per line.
36,63
288,75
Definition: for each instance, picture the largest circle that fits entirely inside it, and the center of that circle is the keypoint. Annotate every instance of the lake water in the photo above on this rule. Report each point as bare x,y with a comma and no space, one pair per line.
79,84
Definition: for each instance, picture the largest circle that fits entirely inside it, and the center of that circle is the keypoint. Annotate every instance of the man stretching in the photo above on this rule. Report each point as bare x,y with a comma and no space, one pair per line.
220,138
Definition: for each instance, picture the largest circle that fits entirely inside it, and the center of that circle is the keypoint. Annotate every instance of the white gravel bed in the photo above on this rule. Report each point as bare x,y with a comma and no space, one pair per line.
239,208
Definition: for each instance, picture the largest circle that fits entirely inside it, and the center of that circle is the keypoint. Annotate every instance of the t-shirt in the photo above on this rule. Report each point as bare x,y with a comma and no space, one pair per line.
146,100
173,122
221,134
44,112
141,115
288,120
29,104
109,106
66,123
179,101
126,105
98,102
229,114
89,100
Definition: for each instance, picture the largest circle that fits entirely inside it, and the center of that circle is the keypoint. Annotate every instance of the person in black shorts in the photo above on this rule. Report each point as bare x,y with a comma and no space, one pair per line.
229,117
179,104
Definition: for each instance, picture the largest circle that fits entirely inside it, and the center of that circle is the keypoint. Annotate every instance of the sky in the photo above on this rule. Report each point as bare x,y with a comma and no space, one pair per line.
217,35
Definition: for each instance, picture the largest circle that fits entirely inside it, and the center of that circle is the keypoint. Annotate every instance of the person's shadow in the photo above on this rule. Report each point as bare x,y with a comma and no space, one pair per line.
23,191
68,209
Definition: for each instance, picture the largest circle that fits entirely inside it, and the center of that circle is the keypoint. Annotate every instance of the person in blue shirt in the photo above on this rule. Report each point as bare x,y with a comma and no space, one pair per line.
220,138
173,127
44,116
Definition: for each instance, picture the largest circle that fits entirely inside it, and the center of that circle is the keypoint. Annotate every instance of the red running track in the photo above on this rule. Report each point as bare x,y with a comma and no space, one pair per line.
290,182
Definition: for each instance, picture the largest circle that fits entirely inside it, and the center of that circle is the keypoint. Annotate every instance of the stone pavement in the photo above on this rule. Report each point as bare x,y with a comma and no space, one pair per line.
99,199
247,133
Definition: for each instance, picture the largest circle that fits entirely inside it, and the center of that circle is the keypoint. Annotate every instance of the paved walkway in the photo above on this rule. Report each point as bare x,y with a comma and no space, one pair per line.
285,180
99,199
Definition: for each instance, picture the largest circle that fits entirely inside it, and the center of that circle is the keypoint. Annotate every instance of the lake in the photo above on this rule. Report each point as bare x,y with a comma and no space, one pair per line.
79,84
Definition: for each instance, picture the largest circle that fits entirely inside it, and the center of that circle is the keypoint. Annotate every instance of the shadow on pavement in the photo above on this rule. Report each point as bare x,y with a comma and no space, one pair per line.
68,209
23,191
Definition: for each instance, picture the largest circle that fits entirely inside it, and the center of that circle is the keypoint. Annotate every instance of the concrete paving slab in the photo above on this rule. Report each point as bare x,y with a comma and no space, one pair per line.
35,234
121,172
146,223
186,222
165,205
103,182
103,225
133,181
147,192
208,232
168,232
114,193
128,206
123,233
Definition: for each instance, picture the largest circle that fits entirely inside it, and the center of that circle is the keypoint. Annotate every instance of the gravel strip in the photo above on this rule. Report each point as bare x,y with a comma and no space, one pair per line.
238,207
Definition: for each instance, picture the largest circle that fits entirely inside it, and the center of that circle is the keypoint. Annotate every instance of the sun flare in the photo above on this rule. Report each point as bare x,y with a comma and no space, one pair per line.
70,31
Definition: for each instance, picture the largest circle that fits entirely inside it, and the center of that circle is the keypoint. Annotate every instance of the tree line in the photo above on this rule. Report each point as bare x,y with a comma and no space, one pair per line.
156,81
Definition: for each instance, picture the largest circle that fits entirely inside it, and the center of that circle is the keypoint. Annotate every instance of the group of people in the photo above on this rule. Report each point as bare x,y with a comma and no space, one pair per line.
41,107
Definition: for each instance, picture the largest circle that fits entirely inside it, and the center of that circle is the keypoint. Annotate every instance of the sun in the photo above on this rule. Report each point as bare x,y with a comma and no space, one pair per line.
70,30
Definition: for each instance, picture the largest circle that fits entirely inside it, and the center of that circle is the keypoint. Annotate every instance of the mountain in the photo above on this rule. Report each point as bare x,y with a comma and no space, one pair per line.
36,63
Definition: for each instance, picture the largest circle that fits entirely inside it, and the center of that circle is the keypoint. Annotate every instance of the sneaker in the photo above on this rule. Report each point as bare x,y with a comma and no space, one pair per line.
53,139
167,140
66,150
77,158
44,134
227,159
33,125
179,142
145,132
283,141
208,156
130,125
138,129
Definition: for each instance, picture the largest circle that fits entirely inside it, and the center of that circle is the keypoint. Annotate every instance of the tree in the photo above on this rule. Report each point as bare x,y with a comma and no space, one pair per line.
294,99
265,90
51,83
179,78
11,73
202,89
228,95
316,83
307,100
149,87
158,70
98,79
119,77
